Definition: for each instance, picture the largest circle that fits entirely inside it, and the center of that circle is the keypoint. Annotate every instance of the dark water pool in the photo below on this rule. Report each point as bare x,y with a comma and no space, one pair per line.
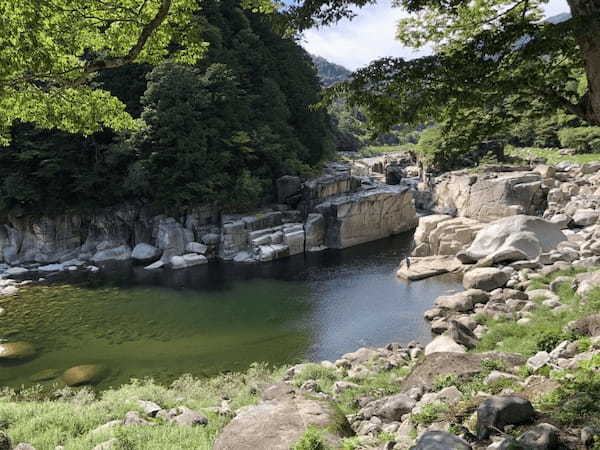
220,316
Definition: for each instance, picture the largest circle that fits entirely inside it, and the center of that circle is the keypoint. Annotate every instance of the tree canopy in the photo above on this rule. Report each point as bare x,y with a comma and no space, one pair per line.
51,51
492,61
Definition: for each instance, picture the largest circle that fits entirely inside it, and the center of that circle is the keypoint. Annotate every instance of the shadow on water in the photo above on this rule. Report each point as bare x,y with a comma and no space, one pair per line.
220,316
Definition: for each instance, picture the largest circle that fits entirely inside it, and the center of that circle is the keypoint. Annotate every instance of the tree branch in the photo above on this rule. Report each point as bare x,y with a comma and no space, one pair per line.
145,34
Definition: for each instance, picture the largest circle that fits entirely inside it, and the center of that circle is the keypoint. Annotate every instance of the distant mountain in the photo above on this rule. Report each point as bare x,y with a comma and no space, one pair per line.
330,73
562,17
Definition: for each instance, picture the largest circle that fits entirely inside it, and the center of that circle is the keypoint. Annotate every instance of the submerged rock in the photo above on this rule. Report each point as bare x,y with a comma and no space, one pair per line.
84,374
16,350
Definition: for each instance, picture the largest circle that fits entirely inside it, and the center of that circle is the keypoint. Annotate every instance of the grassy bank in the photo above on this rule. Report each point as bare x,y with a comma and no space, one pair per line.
552,155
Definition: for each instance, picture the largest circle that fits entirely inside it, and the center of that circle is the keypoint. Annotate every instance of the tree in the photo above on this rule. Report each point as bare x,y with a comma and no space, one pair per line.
492,59
51,51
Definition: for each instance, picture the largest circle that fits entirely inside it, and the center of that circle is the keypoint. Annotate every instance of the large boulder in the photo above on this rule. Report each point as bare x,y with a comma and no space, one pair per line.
171,237
490,196
16,350
526,234
121,253
587,282
586,326
462,365
495,413
280,423
440,440
368,215
485,278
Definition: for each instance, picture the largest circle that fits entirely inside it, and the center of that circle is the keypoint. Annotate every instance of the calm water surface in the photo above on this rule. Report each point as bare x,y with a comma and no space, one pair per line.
220,316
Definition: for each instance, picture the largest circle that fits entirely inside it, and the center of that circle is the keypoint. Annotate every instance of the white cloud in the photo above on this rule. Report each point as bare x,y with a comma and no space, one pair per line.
370,35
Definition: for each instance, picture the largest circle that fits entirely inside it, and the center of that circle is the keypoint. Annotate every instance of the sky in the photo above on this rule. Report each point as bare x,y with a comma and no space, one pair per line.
370,35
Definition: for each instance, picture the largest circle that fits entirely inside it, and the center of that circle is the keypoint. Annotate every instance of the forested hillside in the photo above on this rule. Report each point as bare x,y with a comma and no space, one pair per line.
217,132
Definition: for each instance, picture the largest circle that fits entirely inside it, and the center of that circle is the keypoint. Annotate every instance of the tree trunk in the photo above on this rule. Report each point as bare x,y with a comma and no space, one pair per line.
588,38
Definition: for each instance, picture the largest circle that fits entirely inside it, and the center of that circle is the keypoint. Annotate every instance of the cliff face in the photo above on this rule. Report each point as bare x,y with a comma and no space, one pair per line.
336,210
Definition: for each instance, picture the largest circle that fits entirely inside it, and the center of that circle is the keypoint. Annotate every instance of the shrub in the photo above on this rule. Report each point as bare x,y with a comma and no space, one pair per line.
311,440
429,414
582,139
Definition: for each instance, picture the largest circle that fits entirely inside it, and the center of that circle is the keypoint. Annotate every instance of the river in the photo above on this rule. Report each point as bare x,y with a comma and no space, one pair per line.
220,317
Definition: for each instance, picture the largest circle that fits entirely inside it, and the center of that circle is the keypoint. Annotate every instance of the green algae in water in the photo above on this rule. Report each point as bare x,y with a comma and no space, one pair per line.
154,332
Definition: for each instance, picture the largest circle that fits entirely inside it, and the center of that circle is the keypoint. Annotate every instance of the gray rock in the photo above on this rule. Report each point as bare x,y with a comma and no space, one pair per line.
587,282
150,408
368,215
440,440
562,220
288,189
444,344
530,235
196,247
107,445
121,253
539,360
134,418
145,253
462,334
462,301
210,239
486,279
24,446
156,265
279,424
315,232
541,437
498,411
585,217
184,416
388,409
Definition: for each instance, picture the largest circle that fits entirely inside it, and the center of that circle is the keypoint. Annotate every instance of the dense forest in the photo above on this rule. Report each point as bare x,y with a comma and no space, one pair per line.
218,132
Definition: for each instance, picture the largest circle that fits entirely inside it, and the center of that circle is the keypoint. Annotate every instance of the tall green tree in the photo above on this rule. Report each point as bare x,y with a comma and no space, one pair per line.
493,59
51,51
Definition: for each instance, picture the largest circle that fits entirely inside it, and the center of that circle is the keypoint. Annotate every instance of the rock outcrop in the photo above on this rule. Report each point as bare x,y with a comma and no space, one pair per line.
489,196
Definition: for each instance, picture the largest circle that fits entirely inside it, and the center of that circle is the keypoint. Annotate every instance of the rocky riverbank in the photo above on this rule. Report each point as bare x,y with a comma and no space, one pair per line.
336,210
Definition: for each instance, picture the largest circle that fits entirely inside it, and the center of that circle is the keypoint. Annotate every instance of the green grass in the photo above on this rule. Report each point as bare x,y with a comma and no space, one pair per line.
313,439
69,418
552,155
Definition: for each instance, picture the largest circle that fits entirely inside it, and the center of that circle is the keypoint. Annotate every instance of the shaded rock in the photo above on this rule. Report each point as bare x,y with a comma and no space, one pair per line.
462,334
16,350
587,282
184,416
134,418
586,326
84,374
485,278
279,424
440,440
498,411
428,266
541,437
444,344
388,409
145,253
462,365
5,443
314,229
121,253
45,375
150,408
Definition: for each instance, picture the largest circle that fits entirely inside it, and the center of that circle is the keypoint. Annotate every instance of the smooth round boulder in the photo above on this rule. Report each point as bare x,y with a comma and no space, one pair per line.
16,350
84,374
485,278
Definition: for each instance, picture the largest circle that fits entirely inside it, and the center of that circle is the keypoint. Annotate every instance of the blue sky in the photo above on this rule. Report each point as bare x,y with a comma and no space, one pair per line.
371,35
